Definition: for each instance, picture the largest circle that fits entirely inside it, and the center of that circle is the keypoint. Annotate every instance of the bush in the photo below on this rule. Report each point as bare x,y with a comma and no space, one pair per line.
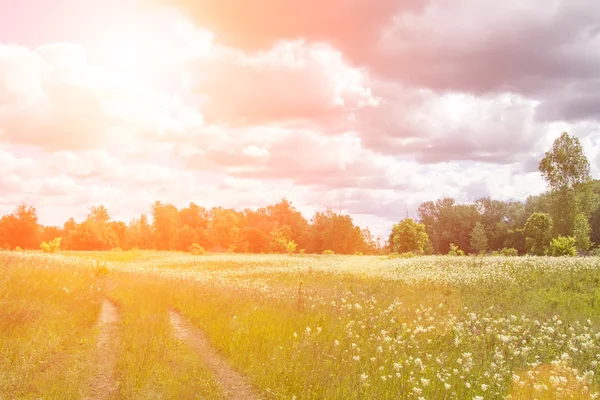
302,251
18,248
408,254
358,253
563,246
51,247
290,247
102,269
328,252
455,251
197,250
509,252
595,252
117,249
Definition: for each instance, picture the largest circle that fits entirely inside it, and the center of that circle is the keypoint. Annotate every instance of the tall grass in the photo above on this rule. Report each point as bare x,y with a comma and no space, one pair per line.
48,311
334,327
152,362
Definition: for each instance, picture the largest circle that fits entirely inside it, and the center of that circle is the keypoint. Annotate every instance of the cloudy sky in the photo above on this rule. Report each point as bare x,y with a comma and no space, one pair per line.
369,107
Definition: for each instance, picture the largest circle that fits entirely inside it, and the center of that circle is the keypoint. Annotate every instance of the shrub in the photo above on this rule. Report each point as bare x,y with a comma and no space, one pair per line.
18,248
197,250
102,269
408,254
51,247
509,252
328,252
358,253
302,251
563,246
117,249
595,252
290,247
455,251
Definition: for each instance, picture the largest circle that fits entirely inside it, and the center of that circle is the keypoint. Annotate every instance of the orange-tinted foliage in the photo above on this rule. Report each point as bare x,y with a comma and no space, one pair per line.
265,230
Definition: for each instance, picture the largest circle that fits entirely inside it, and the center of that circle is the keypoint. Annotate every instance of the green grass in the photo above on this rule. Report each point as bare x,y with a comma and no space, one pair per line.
152,362
47,327
312,327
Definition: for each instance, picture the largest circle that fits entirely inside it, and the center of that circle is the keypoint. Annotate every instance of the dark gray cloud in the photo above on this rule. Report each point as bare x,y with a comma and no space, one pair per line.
544,53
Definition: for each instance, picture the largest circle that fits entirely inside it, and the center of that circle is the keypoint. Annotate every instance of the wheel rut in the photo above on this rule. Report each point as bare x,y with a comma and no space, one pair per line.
235,385
104,385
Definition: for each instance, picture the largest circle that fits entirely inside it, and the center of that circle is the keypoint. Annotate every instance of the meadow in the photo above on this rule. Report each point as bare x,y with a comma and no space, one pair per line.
300,327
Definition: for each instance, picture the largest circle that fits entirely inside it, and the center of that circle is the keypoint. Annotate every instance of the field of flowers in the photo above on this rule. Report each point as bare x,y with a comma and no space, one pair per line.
310,327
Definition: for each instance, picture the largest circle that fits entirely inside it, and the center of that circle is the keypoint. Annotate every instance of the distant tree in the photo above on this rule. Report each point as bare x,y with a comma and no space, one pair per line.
119,229
566,170
565,165
495,220
284,215
165,222
224,229
479,242
51,232
96,232
370,244
581,233
254,239
20,229
538,231
186,236
447,222
336,232
197,218
99,215
408,235
563,246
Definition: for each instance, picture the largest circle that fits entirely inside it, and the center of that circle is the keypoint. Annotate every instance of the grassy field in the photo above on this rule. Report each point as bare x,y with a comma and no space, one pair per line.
303,327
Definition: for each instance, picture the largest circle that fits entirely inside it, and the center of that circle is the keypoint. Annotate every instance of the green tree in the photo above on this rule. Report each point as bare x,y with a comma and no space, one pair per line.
565,165
566,170
538,231
581,232
563,246
479,242
408,235
336,232
447,222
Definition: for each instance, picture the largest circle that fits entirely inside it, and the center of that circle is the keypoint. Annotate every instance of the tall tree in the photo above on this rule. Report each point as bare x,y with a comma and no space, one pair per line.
581,233
566,170
165,222
224,229
408,235
538,232
479,242
20,229
336,232
565,165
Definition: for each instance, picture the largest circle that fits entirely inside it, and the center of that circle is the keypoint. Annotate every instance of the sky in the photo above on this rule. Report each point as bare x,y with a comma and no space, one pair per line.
366,107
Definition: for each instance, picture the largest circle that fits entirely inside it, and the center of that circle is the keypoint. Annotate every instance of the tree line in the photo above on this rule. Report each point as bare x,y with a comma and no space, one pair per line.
564,219
279,228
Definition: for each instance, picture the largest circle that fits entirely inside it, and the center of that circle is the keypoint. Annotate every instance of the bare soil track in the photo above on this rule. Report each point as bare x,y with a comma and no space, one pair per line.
104,385
235,386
